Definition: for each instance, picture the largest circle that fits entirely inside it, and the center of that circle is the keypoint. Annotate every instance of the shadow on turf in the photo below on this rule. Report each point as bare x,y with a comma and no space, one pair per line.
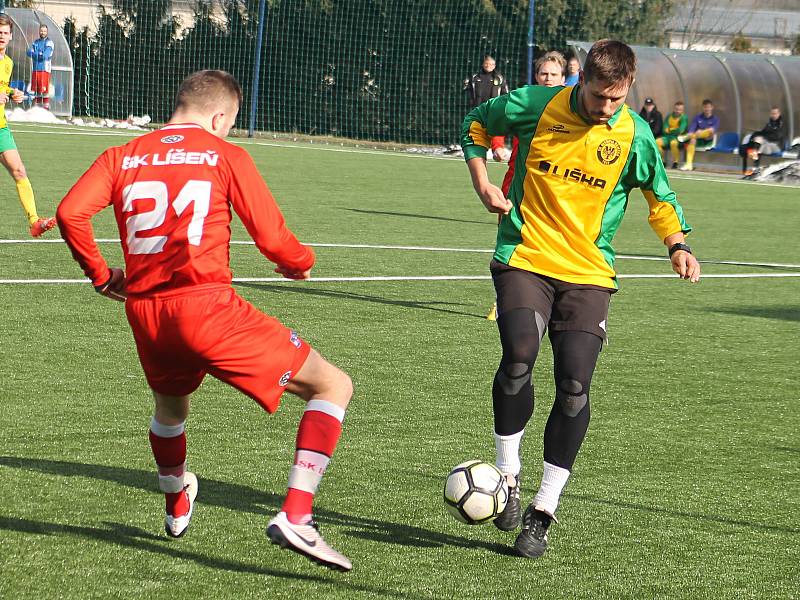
362,298
140,540
787,313
239,497
666,511
680,513
413,215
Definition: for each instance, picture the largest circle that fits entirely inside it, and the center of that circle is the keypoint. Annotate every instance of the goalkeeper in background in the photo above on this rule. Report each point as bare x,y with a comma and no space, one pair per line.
9,155
41,53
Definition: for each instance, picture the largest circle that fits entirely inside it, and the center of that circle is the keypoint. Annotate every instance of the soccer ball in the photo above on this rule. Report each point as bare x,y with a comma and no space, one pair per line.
475,492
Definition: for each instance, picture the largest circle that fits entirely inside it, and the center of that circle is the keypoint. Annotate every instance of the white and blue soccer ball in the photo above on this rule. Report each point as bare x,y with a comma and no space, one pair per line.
475,492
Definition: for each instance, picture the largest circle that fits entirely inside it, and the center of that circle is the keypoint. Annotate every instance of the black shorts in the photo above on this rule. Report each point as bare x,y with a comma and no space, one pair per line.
563,306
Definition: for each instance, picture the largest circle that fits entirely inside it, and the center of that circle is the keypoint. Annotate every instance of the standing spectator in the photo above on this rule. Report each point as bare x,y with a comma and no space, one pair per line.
573,71
676,126
770,140
550,69
651,114
703,127
553,266
483,85
9,155
41,53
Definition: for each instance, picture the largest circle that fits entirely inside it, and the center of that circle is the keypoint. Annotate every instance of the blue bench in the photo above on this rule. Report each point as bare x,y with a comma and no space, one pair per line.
727,141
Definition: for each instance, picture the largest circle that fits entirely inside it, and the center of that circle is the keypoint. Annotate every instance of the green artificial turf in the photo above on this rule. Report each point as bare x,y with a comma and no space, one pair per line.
687,485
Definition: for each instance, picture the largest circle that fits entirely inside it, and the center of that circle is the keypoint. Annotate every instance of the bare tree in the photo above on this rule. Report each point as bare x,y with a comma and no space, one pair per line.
699,21
22,4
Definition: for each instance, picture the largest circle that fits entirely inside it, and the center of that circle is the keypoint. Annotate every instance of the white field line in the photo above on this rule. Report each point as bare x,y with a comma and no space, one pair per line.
425,249
413,278
91,131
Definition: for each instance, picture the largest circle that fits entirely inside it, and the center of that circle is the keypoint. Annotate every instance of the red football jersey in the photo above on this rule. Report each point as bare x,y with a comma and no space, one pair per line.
172,192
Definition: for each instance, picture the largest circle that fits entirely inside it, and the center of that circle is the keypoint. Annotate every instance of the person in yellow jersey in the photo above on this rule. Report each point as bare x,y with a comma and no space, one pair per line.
9,155
582,150
550,70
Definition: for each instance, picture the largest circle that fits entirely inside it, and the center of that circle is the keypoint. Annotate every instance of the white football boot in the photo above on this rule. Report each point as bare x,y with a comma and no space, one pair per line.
176,526
306,540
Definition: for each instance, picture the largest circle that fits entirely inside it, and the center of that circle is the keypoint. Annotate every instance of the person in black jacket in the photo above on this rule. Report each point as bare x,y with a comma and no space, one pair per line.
770,140
653,117
483,85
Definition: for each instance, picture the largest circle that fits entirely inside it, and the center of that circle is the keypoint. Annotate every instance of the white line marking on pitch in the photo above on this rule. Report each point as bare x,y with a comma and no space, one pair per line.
428,249
398,153
415,278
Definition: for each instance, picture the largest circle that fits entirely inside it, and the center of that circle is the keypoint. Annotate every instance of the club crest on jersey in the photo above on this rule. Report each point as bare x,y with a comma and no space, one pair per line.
609,151
295,339
285,379
571,175
171,139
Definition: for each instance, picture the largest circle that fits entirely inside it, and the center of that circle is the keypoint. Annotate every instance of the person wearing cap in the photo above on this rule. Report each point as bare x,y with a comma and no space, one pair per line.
653,117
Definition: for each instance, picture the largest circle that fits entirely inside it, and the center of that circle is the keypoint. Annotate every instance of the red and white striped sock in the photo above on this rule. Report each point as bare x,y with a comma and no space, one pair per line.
317,436
169,449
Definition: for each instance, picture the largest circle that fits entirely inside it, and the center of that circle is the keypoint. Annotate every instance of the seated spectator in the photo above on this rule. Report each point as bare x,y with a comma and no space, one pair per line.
701,131
675,126
651,114
770,140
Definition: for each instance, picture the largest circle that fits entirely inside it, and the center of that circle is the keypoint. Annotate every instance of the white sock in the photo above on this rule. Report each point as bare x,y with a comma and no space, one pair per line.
507,448
553,481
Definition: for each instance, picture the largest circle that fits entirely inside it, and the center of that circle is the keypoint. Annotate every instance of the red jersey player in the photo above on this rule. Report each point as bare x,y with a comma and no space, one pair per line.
172,191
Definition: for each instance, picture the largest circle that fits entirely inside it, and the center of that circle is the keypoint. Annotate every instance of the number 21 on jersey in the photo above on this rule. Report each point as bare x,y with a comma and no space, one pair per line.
195,193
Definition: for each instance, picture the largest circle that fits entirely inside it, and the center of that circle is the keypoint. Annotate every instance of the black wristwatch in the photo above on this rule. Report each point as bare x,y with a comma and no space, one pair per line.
679,246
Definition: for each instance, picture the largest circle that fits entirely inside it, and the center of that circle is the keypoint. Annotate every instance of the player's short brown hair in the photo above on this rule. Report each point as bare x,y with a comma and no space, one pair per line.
6,20
552,56
206,90
610,61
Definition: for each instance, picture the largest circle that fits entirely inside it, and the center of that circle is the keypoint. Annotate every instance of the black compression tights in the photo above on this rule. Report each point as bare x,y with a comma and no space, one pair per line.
512,391
575,356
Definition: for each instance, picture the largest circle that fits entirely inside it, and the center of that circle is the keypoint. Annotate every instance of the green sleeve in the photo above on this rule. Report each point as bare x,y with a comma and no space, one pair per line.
481,124
516,113
646,171
684,124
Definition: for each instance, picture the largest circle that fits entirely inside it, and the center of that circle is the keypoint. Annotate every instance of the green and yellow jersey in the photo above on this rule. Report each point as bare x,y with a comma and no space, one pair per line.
6,66
676,124
571,183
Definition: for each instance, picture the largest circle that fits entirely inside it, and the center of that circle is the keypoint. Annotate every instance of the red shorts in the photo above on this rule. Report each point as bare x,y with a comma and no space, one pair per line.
182,337
40,82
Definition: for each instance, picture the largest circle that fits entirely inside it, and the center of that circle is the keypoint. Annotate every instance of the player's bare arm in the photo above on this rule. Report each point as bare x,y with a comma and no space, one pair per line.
491,195
684,262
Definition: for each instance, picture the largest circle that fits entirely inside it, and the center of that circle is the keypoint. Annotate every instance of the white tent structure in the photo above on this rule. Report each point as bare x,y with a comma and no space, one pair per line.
743,87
